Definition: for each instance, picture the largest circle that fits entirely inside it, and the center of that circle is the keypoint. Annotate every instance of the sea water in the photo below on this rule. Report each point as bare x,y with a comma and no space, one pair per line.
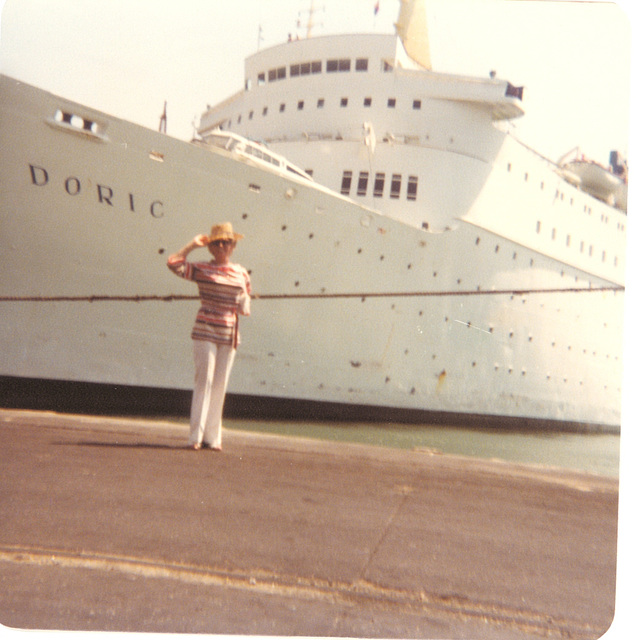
596,453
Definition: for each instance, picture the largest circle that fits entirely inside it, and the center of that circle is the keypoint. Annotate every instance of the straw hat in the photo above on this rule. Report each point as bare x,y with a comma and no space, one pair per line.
224,231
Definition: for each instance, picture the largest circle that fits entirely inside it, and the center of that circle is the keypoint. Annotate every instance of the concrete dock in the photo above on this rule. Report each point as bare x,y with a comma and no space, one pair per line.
112,524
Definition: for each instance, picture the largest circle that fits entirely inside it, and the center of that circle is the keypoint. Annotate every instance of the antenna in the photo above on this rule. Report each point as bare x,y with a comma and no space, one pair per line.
260,37
163,121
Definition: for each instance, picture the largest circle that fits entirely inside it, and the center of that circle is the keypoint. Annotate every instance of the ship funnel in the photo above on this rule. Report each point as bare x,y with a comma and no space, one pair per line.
412,29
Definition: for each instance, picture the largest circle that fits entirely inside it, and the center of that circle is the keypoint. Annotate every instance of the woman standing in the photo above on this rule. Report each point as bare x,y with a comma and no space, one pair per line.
224,288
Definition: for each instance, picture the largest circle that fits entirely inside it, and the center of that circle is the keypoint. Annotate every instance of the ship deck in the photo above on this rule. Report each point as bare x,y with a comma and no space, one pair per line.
112,524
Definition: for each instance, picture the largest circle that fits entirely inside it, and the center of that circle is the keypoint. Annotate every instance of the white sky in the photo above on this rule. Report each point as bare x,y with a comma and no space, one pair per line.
125,57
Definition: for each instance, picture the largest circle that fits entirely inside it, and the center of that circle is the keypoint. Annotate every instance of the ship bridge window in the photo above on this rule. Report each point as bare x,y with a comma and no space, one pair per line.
334,66
305,68
321,103
261,79
417,104
277,74
367,102
345,187
344,102
388,65
396,185
378,187
301,105
391,103
411,189
362,64
363,183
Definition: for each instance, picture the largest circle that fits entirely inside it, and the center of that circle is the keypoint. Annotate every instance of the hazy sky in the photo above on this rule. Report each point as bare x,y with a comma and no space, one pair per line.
125,57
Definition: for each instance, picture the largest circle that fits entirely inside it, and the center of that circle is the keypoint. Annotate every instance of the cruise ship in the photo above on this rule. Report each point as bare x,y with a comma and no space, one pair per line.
407,253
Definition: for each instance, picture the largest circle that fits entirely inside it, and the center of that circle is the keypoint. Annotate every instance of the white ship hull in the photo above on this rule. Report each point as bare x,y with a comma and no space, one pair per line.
352,306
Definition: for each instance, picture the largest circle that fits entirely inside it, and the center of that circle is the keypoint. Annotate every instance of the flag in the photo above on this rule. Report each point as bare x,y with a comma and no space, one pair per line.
377,8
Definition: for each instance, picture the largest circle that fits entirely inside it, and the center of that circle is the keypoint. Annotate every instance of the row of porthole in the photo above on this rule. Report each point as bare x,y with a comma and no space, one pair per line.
586,208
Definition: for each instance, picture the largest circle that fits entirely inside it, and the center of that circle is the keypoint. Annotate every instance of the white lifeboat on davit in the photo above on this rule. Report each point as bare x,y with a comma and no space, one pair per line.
608,184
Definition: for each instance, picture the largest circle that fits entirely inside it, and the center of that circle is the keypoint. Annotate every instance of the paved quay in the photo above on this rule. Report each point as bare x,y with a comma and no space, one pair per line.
113,525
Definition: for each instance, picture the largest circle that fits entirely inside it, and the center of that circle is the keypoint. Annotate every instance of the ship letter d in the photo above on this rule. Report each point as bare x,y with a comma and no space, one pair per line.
39,175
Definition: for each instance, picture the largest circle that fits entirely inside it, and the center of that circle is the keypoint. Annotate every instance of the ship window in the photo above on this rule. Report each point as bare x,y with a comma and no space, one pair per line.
301,105
396,185
345,187
294,70
316,66
277,74
417,104
251,115
321,103
362,64
391,103
344,102
338,65
367,102
282,107
378,187
411,189
261,79
264,111
387,65
363,183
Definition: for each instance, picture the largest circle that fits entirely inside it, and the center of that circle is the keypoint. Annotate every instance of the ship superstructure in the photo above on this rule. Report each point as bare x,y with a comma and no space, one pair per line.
406,251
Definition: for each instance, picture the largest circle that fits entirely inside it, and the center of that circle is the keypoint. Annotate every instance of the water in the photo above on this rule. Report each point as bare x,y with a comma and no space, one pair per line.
589,452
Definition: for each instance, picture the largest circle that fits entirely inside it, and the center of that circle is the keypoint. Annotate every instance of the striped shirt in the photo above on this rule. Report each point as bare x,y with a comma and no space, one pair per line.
225,292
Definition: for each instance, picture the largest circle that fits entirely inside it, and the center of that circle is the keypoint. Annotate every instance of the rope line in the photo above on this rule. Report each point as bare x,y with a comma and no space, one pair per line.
310,296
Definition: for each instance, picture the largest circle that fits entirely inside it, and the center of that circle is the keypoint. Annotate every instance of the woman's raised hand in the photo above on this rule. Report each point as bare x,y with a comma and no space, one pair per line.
200,241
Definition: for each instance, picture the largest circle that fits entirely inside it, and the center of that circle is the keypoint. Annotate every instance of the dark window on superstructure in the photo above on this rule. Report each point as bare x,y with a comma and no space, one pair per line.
277,74
281,109
264,111
367,102
363,183
345,187
261,79
305,68
316,66
390,103
251,116
411,189
362,64
301,105
417,104
378,187
344,102
396,185
387,65
321,103
338,65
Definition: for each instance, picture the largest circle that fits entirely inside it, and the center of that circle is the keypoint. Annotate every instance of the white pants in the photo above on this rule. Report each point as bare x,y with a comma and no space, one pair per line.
212,366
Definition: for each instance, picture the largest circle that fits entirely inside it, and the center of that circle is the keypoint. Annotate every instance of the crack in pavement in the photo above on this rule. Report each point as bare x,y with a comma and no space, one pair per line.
310,588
